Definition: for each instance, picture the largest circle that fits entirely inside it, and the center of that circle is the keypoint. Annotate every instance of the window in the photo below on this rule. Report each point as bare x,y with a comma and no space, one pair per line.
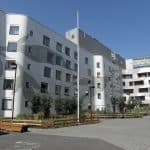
123,83
9,63
44,87
144,74
143,90
72,36
128,91
68,77
29,49
8,84
74,78
127,76
75,55
28,66
110,69
98,65
99,95
141,82
68,64
26,104
58,60
59,47
57,89
75,67
67,51
46,40
47,72
58,75
89,72
50,57
27,85
14,30
139,98
66,92
6,104
31,33
12,47
98,85
130,83
86,60
98,74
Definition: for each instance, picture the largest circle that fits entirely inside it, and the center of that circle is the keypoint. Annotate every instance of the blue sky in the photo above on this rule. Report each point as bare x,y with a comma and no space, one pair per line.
122,25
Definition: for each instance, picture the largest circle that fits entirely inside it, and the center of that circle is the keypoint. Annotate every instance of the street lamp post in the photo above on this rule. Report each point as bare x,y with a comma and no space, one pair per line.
90,95
14,66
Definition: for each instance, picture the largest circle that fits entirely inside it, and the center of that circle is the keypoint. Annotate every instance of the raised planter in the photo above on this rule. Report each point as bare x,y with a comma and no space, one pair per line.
13,127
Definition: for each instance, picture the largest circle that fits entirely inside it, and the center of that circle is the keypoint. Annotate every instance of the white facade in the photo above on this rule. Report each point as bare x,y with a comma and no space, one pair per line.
47,62
136,79
106,67
36,62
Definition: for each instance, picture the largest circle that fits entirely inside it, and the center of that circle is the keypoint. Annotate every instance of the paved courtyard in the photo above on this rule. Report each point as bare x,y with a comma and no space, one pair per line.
129,134
118,134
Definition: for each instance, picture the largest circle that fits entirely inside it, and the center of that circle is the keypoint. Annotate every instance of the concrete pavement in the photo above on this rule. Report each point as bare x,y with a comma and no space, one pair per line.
31,141
129,134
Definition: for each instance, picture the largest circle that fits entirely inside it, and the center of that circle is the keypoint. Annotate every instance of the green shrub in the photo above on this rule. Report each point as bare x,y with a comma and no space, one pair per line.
24,116
39,116
40,102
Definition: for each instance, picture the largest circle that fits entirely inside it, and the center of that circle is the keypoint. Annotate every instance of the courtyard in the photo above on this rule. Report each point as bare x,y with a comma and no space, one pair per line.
113,134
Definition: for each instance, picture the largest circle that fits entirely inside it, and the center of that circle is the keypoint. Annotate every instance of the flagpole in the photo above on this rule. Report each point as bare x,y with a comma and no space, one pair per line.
78,74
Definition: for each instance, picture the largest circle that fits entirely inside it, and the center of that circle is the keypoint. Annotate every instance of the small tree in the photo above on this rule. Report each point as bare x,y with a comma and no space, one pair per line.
40,103
114,102
121,104
65,105
132,103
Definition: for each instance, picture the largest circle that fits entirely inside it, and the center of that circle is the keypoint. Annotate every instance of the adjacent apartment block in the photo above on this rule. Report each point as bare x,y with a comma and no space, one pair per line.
136,79
102,65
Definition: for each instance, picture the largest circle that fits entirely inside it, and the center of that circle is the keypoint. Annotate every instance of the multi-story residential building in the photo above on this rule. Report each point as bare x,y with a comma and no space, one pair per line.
105,65
136,79
46,62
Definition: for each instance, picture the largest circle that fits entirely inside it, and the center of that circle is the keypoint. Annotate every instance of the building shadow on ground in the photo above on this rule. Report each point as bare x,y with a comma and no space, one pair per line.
3,133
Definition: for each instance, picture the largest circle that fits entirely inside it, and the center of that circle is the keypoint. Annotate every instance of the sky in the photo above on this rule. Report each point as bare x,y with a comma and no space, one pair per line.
121,25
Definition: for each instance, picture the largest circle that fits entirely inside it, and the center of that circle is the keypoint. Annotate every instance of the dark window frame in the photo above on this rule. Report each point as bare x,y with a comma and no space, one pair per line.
46,40
3,104
12,47
67,51
67,91
47,72
59,47
58,75
12,30
58,89
5,84
44,89
86,60
27,84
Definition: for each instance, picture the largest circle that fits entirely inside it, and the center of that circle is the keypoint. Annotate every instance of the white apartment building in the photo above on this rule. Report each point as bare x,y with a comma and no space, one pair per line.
136,79
47,62
105,65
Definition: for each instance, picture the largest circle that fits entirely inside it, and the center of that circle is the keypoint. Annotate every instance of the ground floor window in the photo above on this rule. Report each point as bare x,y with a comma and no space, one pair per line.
58,90
8,84
66,91
44,87
7,104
